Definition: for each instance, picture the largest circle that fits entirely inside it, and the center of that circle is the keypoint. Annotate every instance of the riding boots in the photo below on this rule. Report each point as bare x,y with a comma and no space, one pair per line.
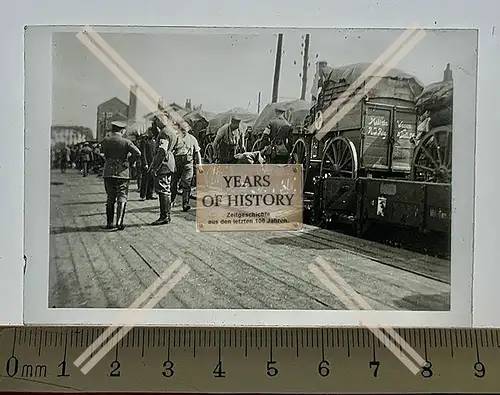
165,205
110,215
120,215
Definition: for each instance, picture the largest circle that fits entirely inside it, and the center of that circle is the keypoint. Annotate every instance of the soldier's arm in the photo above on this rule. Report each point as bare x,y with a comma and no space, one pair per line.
160,155
197,151
218,136
134,151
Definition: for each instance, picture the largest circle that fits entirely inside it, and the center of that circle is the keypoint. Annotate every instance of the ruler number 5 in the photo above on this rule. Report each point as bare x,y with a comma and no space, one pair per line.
271,370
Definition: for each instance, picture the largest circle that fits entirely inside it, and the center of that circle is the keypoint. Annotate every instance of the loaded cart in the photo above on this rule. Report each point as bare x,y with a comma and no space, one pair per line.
364,170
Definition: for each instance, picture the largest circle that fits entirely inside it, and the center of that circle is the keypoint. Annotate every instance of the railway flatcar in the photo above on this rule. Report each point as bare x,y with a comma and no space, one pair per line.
371,165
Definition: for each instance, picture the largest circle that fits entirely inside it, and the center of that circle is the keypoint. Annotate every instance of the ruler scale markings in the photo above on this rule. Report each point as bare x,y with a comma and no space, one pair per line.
194,345
40,333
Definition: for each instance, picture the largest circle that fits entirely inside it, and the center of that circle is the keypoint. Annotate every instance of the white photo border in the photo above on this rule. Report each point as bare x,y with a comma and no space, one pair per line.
37,192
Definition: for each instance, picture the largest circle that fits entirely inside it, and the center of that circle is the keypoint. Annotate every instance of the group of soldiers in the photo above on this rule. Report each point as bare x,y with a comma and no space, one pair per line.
167,159
83,156
273,146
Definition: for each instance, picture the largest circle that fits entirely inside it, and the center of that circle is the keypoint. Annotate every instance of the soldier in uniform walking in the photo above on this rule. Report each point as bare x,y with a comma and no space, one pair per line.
116,173
277,138
227,141
184,169
168,145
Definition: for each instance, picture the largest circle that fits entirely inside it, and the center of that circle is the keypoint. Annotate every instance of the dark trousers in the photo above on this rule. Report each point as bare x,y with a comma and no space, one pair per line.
184,174
64,166
85,168
147,184
116,190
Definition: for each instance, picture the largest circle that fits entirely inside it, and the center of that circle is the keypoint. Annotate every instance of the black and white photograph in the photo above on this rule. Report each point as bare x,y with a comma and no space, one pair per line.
374,117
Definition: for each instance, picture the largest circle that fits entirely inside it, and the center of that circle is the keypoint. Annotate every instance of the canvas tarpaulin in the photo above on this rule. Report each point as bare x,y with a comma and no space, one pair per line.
296,111
394,83
437,98
247,119
198,115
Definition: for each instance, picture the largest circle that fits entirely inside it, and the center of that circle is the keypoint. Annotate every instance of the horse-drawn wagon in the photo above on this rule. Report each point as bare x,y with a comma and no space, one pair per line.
369,166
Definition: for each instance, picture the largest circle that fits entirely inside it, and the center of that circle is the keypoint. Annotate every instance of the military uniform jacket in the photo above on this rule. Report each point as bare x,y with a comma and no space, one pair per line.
116,150
168,145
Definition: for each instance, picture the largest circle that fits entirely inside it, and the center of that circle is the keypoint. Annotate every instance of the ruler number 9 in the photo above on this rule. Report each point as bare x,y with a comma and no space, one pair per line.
479,370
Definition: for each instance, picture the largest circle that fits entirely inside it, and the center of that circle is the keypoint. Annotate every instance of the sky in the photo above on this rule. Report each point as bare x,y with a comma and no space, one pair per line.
226,68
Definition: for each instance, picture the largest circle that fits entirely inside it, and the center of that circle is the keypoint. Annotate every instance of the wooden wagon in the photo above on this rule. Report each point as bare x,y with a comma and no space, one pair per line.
371,165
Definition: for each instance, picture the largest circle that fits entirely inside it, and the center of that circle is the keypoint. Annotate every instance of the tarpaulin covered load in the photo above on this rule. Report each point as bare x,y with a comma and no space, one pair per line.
247,119
437,98
395,84
296,111
197,115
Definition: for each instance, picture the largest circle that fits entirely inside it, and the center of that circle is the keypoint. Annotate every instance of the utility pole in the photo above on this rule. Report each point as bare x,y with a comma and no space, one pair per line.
258,104
277,68
304,68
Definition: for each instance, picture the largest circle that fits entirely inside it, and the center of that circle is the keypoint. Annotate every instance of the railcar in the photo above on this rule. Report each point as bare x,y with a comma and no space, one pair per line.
371,164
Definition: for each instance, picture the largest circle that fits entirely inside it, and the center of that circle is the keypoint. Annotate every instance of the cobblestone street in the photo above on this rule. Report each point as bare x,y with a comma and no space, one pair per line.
92,267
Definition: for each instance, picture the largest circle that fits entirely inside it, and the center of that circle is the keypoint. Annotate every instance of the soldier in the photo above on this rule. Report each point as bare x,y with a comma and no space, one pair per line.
184,169
116,173
65,158
277,138
147,147
168,145
86,158
227,140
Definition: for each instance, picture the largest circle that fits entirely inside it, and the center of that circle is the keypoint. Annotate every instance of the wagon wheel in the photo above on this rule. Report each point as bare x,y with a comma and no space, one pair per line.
300,155
340,159
432,156
209,154
255,146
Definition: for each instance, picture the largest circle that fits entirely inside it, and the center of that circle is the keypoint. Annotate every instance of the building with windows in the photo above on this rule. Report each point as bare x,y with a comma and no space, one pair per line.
112,110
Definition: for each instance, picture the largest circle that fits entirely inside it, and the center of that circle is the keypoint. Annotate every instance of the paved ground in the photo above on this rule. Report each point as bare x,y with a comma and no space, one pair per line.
92,267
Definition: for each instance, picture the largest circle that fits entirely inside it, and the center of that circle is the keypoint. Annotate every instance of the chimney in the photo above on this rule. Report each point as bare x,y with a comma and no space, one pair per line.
187,106
448,74
132,104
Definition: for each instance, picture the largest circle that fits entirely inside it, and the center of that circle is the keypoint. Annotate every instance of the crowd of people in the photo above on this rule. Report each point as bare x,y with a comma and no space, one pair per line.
163,161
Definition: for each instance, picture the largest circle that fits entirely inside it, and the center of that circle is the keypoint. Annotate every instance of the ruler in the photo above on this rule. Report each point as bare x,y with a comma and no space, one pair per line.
249,360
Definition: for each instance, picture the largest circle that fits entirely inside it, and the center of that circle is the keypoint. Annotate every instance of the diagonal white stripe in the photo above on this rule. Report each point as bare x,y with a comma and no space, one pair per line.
368,72
370,84
138,80
337,278
351,305
123,331
150,104
138,302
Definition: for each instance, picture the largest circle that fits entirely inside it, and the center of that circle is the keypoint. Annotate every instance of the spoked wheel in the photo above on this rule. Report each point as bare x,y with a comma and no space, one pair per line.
340,159
209,154
255,146
432,157
300,156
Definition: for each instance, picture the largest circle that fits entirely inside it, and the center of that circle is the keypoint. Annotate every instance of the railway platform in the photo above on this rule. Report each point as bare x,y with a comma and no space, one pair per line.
95,268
